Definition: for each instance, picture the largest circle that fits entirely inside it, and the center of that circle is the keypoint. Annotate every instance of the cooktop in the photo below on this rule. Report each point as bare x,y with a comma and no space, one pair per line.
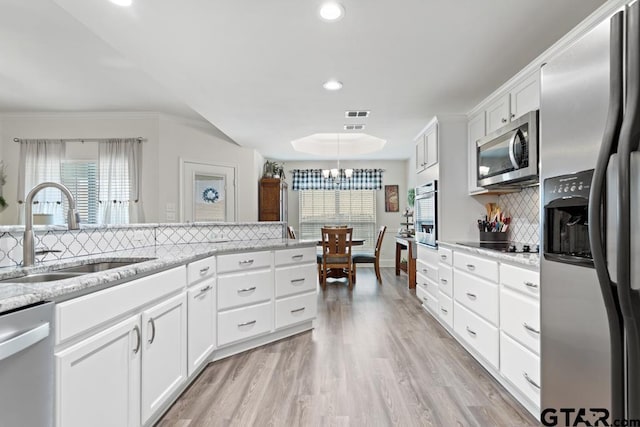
515,247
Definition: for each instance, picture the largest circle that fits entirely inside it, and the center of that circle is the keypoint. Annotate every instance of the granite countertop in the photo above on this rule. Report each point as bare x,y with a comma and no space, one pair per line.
16,295
527,259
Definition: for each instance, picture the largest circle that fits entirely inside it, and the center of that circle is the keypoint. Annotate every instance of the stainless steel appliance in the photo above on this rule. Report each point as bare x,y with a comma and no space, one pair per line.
426,213
590,300
509,155
26,367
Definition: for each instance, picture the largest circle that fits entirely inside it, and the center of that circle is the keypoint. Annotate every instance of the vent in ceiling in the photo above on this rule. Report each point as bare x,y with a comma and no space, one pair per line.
357,113
353,127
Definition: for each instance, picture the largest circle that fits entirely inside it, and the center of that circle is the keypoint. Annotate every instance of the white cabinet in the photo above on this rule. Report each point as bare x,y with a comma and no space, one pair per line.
98,379
525,96
497,113
476,130
521,367
164,353
427,148
479,334
201,323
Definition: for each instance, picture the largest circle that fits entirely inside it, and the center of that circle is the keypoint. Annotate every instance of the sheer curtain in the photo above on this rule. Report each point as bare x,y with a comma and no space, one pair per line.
40,161
119,164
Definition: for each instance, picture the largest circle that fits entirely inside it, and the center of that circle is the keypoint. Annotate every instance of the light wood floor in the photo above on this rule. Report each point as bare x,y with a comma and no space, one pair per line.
375,358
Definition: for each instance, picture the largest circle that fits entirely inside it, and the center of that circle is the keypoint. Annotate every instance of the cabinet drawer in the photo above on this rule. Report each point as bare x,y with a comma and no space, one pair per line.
243,323
296,256
521,279
445,281
521,367
201,269
296,309
478,333
427,299
427,284
445,309
520,318
83,313
239,289
243,261
477,295
445,256
296,279
428,255
427,270
476,265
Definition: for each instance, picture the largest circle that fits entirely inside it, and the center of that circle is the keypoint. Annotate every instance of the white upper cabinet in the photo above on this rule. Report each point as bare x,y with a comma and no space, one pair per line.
497,113
476,130
525,96
427,148
420,155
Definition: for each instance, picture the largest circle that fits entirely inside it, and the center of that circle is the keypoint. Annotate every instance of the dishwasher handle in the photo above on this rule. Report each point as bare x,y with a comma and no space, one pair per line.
25,340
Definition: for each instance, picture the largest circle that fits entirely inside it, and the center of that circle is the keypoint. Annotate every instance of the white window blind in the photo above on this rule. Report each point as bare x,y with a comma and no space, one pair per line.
355,208
81,177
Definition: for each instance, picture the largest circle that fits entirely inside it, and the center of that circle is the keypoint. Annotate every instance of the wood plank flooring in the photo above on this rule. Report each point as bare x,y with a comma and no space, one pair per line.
375,358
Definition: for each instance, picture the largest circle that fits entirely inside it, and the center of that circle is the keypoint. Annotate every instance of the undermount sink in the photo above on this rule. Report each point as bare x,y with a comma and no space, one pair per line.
75,271
101,266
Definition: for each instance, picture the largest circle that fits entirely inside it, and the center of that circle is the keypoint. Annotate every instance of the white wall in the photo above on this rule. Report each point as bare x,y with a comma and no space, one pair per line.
168,139
394,174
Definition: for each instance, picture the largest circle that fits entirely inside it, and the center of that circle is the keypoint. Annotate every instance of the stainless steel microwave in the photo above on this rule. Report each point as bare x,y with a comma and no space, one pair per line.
509,156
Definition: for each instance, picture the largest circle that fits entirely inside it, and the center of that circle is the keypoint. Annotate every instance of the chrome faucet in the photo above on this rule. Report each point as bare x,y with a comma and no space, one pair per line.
73,219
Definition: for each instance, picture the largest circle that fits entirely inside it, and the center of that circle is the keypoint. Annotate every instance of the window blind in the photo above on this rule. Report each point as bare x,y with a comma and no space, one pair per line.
355,208
81,178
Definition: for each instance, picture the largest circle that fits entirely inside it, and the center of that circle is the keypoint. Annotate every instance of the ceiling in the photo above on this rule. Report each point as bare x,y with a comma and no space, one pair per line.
255,68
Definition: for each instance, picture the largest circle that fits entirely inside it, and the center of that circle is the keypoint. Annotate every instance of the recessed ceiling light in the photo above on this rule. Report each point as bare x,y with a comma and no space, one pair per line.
332,85
331,11
122,2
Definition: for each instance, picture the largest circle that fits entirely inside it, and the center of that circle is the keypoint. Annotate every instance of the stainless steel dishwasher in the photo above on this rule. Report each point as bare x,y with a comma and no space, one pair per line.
26,367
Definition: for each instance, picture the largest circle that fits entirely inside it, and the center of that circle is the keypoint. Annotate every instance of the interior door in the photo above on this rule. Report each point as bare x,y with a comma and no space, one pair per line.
207,192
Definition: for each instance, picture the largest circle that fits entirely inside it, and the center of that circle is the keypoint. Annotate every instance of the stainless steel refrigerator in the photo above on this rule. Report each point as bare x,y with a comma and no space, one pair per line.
590,268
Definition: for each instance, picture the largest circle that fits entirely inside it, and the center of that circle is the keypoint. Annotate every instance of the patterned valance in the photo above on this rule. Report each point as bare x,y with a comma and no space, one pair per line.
312,179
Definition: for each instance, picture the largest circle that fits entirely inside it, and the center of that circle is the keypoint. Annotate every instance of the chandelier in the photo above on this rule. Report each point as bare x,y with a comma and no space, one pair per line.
335,173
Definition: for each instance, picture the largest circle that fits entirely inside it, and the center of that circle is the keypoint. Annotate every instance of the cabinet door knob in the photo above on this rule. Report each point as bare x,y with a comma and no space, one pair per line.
503,120
513,116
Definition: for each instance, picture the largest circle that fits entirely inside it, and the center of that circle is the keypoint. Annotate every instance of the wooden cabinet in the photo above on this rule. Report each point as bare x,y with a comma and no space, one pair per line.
164,353
98,379
427,148
272,203
497,113
476,130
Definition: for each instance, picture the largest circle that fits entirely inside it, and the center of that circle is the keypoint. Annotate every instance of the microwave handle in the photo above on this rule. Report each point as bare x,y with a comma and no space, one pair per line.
512,149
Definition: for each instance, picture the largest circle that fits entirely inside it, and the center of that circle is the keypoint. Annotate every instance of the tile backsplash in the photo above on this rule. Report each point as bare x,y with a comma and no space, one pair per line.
90,240
524,209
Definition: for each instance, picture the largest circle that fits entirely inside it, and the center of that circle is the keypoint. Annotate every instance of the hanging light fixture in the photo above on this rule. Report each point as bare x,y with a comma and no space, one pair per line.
335,173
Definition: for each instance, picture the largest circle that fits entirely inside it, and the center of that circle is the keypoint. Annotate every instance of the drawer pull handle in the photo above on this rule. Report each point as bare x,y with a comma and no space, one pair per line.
251,289
471,331
530,328
246,262
471,296
153,331
444,281
444,310
204,271
206,288
530,381
531,284
424,299
298,310
202,292
297,280
138,339
251,322
443,256
424,270
297,256
471,267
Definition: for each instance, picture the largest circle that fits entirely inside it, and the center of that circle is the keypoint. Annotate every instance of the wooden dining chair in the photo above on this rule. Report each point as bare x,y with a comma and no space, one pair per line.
371,258
336,253
292,232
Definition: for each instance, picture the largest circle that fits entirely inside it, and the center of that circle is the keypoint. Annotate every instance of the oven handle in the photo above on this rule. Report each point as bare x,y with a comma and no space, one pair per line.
512,149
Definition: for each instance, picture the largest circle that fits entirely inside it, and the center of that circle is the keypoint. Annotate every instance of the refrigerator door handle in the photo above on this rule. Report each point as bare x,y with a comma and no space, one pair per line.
596,220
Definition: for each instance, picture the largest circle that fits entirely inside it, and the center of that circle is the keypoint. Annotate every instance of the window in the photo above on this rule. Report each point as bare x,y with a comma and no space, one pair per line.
356,208
81,177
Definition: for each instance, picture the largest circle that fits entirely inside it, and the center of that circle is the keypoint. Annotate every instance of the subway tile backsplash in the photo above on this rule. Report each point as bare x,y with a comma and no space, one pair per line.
91,240
524,209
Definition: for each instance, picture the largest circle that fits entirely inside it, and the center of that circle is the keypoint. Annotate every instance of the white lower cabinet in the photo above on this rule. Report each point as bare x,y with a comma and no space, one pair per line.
243,323
98,379
521,367
164,352
201,323
296,309
445,309
478,333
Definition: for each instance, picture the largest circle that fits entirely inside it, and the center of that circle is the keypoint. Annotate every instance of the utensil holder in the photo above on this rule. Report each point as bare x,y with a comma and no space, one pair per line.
488,236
